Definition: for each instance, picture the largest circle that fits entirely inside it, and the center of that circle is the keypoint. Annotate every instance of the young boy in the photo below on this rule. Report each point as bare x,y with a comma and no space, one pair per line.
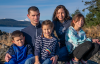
19,51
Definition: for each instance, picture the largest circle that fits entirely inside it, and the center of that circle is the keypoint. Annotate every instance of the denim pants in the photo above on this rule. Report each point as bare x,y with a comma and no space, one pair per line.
63,54
32,61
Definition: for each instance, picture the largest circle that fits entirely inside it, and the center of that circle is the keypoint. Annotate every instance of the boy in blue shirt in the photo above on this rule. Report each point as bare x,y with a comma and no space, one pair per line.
19,51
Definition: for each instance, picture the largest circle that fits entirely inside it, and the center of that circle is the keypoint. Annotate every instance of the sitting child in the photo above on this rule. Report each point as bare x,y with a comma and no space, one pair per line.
46,46
79,46
19,51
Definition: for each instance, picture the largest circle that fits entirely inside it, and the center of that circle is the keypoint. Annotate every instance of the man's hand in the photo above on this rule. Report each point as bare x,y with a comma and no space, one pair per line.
54,59
7,57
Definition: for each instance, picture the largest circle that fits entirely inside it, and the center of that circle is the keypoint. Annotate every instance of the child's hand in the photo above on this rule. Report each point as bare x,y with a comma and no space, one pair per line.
54,59
95,40
7,57
37,62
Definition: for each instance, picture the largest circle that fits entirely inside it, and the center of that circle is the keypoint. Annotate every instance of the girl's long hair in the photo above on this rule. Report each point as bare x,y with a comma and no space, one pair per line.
76,18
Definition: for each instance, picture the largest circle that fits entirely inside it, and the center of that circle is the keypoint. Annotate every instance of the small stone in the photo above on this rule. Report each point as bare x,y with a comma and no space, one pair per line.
3,46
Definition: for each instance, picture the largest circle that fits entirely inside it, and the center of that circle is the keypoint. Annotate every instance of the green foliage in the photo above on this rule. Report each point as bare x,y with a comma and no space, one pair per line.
93,17
76,12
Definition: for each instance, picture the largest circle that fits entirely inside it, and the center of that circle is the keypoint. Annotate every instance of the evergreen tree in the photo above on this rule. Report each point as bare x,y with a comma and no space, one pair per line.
76,12
93,17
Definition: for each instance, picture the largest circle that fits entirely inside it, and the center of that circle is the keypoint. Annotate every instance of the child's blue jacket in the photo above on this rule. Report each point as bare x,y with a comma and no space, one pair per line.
20,53
74,38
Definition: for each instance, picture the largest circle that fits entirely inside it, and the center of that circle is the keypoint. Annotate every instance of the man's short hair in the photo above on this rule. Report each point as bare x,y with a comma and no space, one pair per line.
33,8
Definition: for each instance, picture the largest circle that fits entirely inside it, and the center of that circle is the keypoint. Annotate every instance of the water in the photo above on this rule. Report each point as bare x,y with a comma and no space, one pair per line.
10,29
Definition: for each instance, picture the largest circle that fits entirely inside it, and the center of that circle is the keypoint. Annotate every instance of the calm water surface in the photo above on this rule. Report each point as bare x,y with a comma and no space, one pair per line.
10,29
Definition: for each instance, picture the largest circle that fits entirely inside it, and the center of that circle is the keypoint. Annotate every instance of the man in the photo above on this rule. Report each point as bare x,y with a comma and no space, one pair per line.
32,31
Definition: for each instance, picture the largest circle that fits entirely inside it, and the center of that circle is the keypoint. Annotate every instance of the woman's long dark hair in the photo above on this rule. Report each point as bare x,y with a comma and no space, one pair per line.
54,18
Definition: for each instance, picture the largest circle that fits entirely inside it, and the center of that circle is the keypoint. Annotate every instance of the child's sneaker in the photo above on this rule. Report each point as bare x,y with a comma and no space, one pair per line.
74,62
84,62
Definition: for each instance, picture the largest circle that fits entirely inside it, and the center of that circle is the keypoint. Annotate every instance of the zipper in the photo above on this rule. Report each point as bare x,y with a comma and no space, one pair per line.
36,31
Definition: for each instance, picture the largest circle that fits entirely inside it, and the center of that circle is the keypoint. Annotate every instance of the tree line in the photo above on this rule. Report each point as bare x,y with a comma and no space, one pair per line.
93,17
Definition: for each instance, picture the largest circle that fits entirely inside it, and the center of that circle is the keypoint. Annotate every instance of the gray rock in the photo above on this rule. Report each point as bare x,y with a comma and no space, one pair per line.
0,38
3,46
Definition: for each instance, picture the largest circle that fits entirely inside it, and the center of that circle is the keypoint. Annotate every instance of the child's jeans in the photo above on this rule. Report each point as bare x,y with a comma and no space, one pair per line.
63,56
32,61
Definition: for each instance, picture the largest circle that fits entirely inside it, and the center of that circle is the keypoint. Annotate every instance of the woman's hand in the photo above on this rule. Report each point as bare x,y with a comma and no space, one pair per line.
54,59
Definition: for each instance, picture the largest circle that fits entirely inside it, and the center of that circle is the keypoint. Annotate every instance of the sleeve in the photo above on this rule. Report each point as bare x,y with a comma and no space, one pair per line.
72,37
11,50
88,39
12,53
57,48
37,47
29,51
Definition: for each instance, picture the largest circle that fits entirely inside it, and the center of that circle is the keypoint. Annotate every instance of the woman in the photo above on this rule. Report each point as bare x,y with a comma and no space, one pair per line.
61,20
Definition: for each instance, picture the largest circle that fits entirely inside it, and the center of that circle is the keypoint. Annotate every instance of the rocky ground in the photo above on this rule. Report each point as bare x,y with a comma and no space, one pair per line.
5,43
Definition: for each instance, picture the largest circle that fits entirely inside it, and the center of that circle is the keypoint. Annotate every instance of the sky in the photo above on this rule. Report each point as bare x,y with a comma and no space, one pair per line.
17,9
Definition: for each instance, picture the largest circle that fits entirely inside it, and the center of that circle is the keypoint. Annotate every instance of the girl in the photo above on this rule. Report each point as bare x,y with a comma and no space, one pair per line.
61,20
46,46
79,46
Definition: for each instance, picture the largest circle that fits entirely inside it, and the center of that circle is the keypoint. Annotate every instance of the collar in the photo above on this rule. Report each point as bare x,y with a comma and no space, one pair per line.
37,26
73,30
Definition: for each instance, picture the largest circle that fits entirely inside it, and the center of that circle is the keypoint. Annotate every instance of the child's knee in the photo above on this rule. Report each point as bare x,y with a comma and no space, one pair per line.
96,46
89,44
